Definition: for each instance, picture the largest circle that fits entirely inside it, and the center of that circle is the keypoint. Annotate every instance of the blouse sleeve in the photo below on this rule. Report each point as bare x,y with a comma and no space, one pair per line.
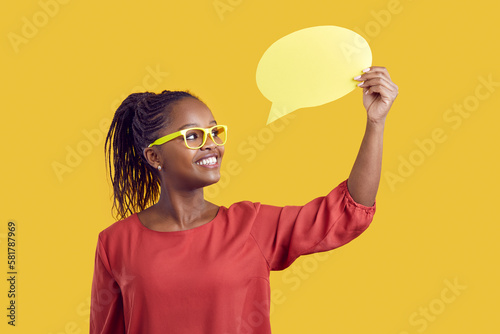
106,306
285,233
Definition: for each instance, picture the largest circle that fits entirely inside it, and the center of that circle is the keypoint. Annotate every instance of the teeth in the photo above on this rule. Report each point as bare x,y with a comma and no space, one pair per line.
207,161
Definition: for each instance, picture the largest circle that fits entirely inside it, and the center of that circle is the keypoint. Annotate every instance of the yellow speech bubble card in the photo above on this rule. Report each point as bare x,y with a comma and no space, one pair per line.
311,67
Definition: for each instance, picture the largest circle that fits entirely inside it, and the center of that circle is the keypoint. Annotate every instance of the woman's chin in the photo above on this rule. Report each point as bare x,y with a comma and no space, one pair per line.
213,179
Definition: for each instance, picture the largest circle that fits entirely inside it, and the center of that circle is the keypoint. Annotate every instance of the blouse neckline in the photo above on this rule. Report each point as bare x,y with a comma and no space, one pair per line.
136,220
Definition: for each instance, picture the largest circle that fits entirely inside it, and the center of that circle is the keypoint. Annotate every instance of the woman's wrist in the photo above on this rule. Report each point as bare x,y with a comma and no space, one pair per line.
376,123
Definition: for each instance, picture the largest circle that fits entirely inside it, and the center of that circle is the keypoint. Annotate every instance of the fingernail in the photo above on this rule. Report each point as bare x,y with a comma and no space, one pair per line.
366,69
358,77
360,84
367,91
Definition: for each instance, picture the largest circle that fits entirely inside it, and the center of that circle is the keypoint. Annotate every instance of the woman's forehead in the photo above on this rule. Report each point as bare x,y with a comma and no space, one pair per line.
190,112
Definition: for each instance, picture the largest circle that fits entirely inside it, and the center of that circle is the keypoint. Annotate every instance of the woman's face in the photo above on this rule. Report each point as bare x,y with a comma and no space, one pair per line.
181,166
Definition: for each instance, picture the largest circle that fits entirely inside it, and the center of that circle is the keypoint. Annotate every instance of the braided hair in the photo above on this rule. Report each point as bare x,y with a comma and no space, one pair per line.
136,124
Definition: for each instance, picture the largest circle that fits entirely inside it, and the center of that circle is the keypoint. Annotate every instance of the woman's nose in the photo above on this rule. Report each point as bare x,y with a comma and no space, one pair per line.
209,143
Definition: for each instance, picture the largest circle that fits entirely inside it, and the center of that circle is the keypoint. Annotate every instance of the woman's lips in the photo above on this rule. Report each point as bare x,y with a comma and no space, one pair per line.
208,162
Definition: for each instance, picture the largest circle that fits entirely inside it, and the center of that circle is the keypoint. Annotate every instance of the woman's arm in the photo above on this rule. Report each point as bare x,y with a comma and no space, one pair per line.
379,94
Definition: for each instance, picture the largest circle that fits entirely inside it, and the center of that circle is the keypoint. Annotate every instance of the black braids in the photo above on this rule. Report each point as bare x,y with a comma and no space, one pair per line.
136,124
121,150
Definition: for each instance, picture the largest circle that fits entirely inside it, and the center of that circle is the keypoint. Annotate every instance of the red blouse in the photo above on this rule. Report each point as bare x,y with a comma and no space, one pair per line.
212,279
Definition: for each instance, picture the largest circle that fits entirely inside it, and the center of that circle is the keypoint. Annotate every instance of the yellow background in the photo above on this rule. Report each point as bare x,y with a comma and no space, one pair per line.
438,225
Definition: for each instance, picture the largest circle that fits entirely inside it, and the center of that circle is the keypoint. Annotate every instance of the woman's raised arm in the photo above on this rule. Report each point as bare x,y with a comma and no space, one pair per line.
379,94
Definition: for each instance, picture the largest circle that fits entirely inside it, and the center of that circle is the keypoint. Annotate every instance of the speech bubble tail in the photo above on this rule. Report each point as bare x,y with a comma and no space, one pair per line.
277,111
272,117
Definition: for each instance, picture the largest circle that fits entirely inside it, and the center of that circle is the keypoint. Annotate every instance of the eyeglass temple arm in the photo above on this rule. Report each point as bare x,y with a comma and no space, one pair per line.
166,138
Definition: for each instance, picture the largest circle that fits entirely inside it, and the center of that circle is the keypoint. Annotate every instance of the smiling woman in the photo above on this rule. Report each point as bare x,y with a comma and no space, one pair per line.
176,263
137,122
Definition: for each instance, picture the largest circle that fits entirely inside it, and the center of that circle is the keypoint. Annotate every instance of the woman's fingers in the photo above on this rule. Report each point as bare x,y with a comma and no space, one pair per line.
378,69
376,81
376,76
374,72
384,92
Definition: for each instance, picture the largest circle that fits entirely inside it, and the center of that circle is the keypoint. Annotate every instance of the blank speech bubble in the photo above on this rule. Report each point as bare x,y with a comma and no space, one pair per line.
311,67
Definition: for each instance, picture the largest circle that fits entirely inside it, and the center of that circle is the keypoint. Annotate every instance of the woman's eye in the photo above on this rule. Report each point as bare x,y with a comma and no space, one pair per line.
215,133
191,136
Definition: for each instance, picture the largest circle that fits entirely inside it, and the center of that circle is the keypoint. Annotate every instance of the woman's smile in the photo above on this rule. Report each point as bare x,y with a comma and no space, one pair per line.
209,161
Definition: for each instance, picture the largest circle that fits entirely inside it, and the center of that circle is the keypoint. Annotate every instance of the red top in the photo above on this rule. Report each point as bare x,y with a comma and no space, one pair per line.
214,278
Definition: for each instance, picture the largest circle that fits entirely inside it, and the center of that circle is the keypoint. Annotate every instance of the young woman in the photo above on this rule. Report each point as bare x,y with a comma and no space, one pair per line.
176,263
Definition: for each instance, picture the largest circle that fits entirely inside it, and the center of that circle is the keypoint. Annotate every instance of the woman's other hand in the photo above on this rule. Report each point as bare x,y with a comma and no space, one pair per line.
379,92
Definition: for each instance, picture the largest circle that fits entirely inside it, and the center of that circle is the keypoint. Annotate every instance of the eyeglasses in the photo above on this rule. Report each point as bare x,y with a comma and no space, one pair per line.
194,138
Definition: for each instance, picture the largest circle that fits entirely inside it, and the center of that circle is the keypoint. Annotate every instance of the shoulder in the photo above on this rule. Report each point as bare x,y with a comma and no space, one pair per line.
248,212
242,208
120,230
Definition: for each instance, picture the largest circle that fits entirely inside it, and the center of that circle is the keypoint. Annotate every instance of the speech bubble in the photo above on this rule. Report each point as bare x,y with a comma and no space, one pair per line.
311,67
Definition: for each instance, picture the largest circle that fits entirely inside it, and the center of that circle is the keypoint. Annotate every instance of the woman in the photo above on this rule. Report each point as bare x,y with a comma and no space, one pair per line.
185,265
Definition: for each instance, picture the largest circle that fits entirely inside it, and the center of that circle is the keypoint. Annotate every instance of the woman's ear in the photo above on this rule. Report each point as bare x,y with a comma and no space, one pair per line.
152,157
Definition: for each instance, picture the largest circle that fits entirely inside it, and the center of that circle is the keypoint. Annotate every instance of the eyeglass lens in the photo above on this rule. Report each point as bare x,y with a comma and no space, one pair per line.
194,138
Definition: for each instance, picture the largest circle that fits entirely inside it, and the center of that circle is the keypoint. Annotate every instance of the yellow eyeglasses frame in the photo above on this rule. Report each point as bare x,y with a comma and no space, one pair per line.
169,137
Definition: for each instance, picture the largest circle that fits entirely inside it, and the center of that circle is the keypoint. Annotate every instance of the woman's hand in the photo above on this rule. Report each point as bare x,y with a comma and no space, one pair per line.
379,92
